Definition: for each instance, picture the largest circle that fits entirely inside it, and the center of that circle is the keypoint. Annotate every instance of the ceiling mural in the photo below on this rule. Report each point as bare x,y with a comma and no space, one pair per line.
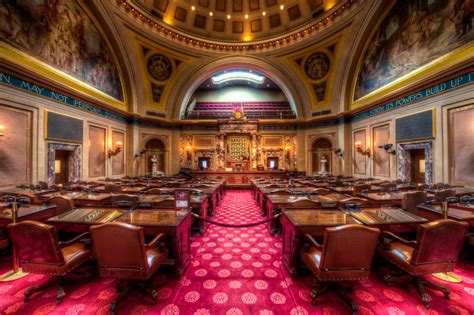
413,34
62,35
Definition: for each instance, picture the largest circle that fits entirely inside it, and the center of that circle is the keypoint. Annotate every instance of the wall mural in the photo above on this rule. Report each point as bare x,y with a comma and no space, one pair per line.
413,34
61,34
317,66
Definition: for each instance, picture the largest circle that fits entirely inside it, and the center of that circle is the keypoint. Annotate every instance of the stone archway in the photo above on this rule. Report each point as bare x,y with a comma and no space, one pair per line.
322,147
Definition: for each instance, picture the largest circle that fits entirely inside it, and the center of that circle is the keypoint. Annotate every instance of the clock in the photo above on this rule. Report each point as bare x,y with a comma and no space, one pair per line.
238,114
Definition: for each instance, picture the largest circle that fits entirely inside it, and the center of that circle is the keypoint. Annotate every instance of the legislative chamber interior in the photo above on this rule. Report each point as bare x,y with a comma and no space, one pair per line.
237,157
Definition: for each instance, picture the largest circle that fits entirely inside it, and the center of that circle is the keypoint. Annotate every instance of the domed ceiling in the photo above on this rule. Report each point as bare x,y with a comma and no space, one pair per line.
236,20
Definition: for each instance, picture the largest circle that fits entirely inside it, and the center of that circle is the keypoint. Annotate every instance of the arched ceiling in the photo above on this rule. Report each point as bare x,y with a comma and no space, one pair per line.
236,20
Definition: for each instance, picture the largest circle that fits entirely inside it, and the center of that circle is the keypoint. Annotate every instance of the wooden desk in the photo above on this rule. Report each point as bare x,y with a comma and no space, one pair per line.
434,213
82,199
385,199
297,223
460,191
28,212
389,219
175,225
237,179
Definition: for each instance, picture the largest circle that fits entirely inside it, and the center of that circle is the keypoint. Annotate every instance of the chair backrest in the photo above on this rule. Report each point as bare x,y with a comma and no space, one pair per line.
439,241
43,185
360,187
36,242
32,198
411,200
111,188
441,195
63,204
116,199
119,245
349,247
304,203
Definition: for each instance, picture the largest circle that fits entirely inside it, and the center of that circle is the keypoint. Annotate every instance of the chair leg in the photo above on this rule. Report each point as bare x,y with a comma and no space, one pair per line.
391,280
436,287
61,292
146,290
122,294
343,295
421,290
318,292
38,288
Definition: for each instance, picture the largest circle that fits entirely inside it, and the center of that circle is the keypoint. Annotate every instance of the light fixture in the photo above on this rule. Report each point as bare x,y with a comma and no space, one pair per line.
228,16
264,13
116,150
188,147
237,76
193,8
2,130
358,147
246,16
282,7
210,13
388,148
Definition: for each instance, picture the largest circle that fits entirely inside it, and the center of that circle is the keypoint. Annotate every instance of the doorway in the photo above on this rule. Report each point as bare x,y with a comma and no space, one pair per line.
418,165
61,166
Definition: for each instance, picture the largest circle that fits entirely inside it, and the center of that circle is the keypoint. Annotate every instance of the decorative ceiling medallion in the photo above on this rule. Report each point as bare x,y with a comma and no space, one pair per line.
317,66
159,67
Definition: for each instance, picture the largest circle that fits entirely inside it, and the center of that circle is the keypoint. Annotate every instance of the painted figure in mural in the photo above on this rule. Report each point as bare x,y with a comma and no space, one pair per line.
154,165
413,34
61,34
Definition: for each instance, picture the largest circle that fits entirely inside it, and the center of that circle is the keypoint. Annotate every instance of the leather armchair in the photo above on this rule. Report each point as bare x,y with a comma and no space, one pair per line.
111,188
122,254
411,200
436,249
346,255
360,187
441,195
63,204
39,251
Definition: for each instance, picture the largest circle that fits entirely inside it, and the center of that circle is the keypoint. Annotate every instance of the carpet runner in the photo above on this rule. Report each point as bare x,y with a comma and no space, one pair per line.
237,271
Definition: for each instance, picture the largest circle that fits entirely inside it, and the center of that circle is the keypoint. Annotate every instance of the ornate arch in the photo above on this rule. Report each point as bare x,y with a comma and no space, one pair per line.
288,83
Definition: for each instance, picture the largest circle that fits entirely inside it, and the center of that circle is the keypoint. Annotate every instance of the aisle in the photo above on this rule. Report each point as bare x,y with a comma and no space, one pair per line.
235,270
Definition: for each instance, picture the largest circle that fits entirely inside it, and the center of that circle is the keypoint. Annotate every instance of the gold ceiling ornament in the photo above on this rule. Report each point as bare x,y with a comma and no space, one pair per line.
146,20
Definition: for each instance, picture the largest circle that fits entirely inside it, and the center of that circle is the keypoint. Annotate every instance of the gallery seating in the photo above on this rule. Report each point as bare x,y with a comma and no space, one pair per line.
137,267
345,256
436,249
39,251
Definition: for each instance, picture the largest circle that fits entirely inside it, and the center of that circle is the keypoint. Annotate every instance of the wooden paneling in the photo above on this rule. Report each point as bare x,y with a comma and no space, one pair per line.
118,161
219,25
204,142
461,145
294,12
256,25
274,20
180,14
15,146
360,160
381,136
200,21
237,27
96,151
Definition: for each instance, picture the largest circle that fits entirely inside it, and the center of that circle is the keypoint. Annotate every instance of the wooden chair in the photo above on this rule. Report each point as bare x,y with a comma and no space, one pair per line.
411,200
63,204
111,188
137,267
39,251
345,256
442,195
436,249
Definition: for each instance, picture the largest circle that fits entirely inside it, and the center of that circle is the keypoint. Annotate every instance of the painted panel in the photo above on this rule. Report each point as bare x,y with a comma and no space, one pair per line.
360,166
413,34
15,146
118,161
61,34
96,151
462,145
273,141
381,136
204,142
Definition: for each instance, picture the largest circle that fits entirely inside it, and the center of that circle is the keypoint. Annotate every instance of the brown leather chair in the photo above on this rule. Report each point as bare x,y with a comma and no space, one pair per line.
39,251
111,188
43,185
129,258
441,195
360,187
436,249
411,200
63,204
126,201
345,256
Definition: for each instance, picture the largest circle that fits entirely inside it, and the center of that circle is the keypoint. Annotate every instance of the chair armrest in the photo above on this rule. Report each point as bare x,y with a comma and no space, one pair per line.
312,242
160,237
74,240
389,237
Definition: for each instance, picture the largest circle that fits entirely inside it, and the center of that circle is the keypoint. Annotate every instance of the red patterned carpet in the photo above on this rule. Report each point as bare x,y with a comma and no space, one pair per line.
237,271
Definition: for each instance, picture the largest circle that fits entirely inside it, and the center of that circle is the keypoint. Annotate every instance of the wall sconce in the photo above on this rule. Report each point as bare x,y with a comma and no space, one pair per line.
188,147
117,150
287,148
339,152
2,130
358,147
388,148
